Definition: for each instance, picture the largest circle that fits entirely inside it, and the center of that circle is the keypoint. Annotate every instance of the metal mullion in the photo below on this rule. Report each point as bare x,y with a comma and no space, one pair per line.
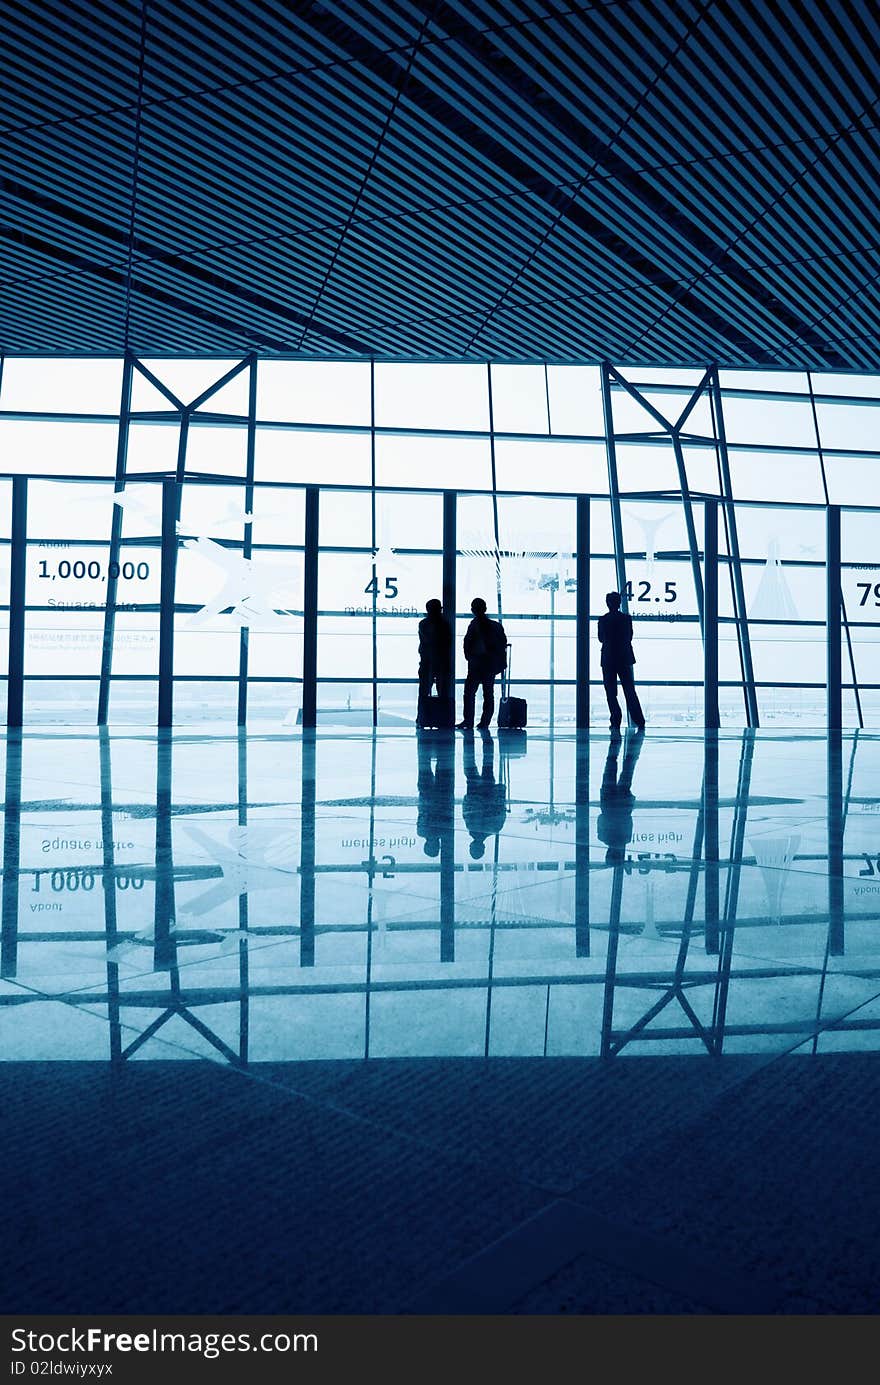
692,402
310,610
108,873
645,404
846,623
494,490
834,692
243,955
307,850
17,592
751,699
450,511
170,510
373,541
115,544
731,900
218,385
835,829
164,946
582,845
613,485
157,384
11,855
582,615
690,524
247,544
709,814
711,715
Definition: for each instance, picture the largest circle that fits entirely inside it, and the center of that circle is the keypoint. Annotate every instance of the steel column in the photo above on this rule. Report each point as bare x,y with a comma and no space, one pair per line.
450,542
17,585
307,853
711,716
836,904
712,892
582,845
115,545
739,595
11,855
613,486
833,688
247,546
690,523
310,611
582,616
170,511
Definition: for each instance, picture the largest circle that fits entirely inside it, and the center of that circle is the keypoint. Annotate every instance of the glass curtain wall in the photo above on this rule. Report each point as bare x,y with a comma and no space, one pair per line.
154,520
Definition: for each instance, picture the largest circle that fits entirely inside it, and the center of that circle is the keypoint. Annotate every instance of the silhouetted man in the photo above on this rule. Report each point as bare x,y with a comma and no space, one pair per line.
485,648
435,657
484,806
615,634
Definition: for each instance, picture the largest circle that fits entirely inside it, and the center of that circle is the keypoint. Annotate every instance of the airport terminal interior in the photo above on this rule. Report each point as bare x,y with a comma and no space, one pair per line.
309,315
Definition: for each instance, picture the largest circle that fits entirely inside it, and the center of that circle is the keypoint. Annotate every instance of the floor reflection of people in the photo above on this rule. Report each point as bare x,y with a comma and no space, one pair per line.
484,805
617,800
436,791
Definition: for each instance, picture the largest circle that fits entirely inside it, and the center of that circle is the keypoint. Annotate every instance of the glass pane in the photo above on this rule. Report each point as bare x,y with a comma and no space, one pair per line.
857,385
345,519
776,476
575,401
440,463
153,447
31,446
781,381
646,466
855,427
551,466
519,399
780,422
314,392
216,450
432,396
75,386
312,458
852,480
58,512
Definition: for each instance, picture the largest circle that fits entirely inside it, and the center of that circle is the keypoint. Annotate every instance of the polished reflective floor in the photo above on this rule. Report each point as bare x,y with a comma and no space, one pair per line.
274,898
699,915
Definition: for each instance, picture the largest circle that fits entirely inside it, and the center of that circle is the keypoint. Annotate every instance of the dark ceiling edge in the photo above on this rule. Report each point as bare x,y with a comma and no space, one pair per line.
387,69
625,363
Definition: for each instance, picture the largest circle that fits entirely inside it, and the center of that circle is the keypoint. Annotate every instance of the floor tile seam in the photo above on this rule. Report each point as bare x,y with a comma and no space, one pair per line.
810,968
671,1266
757,1070
435,1147
69,997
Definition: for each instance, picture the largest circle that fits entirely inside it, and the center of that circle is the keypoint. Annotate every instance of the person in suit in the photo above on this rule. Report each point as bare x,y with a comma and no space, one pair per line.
484,806
485,648
435,657
615,635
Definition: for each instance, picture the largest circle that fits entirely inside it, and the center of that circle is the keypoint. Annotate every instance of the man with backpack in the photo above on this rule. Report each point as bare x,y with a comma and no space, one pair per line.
485,648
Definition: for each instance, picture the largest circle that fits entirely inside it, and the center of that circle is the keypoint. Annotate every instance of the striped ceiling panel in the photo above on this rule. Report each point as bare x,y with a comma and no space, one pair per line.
663,182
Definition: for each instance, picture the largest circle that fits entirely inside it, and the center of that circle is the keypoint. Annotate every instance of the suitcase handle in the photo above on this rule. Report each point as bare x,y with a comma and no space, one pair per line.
505,673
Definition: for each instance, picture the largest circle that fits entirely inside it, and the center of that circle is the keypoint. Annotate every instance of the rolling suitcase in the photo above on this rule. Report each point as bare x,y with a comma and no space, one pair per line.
438,714
512,711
